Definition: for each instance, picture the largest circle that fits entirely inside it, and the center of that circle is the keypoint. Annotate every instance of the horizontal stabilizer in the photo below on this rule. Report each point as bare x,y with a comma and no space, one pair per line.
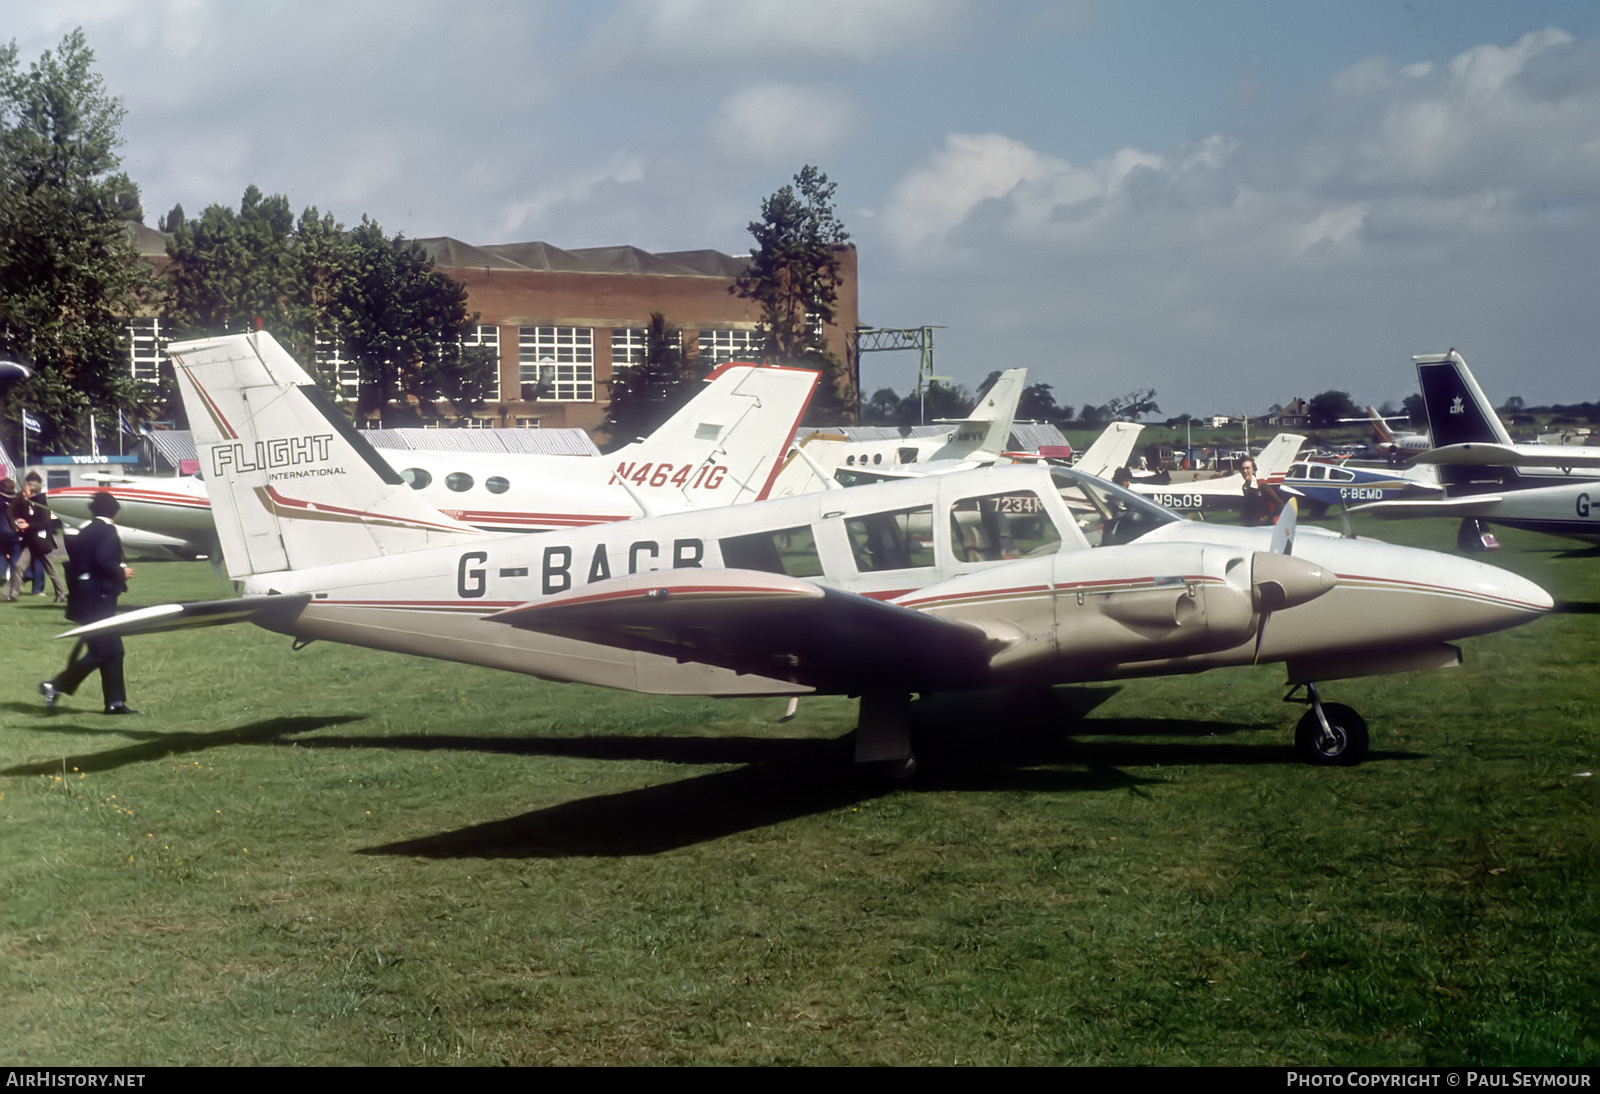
1499,455
767,624
201,613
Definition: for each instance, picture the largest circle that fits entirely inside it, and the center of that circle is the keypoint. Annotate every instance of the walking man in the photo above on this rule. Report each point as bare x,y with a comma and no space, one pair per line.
95,578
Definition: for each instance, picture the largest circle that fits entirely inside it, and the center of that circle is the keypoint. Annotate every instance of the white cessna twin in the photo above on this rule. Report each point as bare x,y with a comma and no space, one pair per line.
1005,577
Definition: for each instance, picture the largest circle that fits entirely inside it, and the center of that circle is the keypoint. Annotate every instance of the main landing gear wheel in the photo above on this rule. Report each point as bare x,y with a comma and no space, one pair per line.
1344,741
1329,733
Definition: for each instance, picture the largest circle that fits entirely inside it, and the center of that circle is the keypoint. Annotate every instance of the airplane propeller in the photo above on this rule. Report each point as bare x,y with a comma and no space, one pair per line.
1278,582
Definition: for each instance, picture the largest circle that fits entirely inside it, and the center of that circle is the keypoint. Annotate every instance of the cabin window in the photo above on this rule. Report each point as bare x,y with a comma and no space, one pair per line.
459,481
1000,526
791,551
900,540
417,478
1339,474
496,485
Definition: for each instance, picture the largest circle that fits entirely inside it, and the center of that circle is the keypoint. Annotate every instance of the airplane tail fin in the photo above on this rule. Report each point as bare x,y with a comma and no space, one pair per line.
1381,433
1458,411
1273,463
292,483
988,428
1110,450
723,447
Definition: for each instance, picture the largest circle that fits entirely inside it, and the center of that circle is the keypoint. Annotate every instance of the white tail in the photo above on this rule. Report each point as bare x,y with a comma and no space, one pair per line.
1273,463
292,484
987,429
725,446
1110,450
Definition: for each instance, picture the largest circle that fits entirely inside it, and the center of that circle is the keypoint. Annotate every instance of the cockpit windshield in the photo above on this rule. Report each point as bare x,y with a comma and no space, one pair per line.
1106,513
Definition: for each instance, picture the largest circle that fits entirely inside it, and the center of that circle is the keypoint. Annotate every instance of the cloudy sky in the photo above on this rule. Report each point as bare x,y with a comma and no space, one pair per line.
1234,202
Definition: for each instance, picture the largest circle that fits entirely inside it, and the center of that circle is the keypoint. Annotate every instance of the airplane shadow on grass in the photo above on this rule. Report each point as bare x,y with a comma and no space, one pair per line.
963,743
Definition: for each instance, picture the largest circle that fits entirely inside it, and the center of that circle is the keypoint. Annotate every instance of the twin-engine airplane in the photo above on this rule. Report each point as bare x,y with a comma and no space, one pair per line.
725,446
976,579
1488,477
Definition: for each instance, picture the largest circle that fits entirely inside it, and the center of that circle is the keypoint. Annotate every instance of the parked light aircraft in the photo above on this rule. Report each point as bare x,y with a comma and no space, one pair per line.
974,579
1324,485
1390,445
1488,477
725,446
1225,494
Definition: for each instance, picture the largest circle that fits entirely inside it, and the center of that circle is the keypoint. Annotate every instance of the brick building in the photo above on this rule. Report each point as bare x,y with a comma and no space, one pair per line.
581,312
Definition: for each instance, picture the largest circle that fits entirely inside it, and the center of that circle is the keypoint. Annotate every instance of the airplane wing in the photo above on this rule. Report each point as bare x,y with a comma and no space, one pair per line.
769,625
1500,455
1472,505
200,613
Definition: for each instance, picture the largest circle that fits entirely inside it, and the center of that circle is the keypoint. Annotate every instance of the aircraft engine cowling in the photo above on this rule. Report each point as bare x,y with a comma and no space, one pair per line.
1147,602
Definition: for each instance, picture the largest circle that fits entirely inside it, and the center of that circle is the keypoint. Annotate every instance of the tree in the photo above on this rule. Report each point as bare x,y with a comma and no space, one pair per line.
1326,409
648,392
1134,405
397,318
794,276
230,270
1417,408
69,273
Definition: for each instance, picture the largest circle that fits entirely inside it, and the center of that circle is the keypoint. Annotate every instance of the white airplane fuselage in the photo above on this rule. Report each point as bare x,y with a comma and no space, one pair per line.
1177,601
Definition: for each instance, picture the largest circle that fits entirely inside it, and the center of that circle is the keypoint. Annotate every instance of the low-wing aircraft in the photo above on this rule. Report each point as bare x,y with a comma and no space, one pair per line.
723,447
975,579
1224,495
1489,478
1324,485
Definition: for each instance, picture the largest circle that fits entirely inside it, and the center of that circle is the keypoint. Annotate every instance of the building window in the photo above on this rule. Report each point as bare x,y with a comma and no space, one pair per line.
330,360
488,337
562,355
528,423
627,346
717,346
146,349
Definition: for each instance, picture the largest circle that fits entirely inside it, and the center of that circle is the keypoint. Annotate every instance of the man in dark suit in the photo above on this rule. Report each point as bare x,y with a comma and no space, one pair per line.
95,578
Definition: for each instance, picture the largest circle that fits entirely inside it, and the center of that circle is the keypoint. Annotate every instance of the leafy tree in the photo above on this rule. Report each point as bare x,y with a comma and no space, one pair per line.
69,273
397,317
941,400
1417,408
883,408
1327,408
230,270
1134,405
794,276
645,394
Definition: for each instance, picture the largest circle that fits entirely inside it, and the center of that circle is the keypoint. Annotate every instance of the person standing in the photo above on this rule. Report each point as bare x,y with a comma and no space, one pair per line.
95,578
36,525
1262,504
10,542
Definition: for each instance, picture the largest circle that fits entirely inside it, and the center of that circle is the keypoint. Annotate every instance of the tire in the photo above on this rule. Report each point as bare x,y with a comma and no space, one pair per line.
1348,744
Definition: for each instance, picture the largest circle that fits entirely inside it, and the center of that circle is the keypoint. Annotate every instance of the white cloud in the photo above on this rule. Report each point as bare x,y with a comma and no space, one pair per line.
716,32
783,123
533,210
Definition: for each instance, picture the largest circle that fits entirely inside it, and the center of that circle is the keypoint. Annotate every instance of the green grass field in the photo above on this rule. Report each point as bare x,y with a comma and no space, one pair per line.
337,856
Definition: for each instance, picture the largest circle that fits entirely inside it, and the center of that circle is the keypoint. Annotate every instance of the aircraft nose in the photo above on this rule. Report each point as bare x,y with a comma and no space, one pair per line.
1499,597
